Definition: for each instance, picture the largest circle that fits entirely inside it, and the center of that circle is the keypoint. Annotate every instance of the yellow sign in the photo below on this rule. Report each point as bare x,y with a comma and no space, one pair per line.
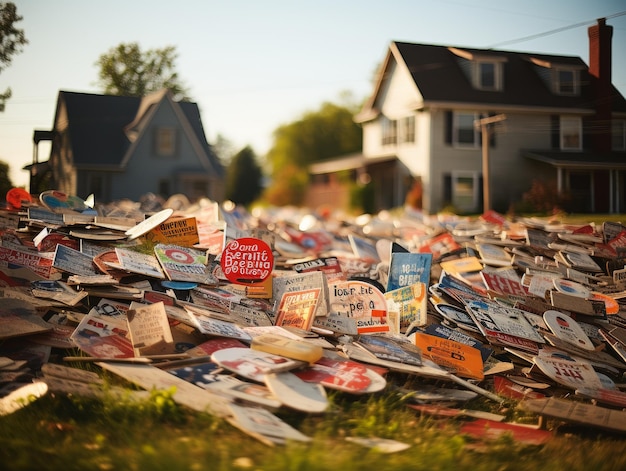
181,231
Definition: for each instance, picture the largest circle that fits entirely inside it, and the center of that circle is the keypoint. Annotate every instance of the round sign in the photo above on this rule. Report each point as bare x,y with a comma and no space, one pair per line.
178,285
572,288
567,329
178,256
247,260
18,196
56,200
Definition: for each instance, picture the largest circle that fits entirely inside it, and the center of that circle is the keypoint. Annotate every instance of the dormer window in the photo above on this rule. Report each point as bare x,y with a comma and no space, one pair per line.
566,82
484,70
561,78
487,75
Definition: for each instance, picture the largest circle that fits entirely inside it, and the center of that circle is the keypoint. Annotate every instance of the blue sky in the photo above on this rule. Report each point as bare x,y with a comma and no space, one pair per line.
252,65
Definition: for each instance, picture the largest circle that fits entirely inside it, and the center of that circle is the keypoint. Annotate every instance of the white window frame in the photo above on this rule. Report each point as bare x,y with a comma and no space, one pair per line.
559,84
571,133
466,200
457,116
389,131
407,129
618,134
478,76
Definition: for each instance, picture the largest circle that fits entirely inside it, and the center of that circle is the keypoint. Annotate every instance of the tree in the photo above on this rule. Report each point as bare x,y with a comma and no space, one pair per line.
5,179
243,178
126,70
11,41
224,149
318,135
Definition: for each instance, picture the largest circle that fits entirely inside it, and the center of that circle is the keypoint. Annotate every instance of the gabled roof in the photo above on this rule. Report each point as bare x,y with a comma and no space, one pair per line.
102,128
439,77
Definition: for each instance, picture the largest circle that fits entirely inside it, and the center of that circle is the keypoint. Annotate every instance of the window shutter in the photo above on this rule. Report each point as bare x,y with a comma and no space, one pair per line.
555,137
448,127
587,130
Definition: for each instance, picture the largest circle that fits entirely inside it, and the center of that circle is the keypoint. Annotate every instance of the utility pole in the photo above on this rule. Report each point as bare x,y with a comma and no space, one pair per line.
486,128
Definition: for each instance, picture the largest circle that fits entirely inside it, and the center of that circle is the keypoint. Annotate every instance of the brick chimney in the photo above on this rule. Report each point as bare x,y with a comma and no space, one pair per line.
600,36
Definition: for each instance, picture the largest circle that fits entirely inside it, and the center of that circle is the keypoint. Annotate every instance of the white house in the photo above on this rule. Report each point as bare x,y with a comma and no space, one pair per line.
546,117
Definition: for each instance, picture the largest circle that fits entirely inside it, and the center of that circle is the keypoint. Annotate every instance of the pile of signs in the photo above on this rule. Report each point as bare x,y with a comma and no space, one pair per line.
245,314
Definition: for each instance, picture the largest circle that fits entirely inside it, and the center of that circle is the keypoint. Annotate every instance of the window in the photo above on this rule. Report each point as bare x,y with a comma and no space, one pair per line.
488,75
566,82
390,131
165,142
571,133
618,134
465,190
464,133
407,129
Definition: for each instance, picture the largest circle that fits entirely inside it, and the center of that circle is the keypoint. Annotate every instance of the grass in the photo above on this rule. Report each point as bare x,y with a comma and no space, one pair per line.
74,433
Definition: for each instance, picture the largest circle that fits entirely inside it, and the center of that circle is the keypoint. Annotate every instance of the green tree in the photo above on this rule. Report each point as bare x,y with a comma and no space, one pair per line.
243,178
318,135
5,179
11,41
288,186
128,71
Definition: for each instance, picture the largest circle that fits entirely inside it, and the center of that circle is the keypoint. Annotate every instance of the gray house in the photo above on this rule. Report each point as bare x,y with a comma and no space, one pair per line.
438,113
118,147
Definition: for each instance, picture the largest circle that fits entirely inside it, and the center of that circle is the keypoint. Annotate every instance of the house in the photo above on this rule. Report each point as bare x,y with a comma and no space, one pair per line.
119,147
476,127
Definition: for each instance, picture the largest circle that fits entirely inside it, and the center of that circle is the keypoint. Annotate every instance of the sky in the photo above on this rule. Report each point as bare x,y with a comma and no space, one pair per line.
253,65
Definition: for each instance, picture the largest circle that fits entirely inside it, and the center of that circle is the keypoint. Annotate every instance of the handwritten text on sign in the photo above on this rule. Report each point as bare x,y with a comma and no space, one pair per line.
247,260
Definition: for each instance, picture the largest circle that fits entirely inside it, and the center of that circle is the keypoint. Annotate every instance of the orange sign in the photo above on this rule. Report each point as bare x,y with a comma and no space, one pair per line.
461,359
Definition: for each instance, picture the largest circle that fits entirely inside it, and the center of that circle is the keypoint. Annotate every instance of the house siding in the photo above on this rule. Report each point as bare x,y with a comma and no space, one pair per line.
105,145
145,169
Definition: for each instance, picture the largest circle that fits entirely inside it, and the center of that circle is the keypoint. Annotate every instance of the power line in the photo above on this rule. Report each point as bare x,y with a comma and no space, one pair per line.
554,31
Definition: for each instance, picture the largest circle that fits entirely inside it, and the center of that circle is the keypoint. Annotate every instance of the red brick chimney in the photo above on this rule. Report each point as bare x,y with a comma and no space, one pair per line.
600,36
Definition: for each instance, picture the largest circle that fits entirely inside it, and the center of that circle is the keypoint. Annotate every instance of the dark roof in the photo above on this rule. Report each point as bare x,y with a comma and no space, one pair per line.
437,73
586,159
97,127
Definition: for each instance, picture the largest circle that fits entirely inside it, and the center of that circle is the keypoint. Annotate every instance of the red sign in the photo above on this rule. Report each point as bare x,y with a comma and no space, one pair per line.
247,260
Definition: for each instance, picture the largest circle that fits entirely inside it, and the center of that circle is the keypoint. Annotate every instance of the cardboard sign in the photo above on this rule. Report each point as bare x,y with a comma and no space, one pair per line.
408,268
411,303
297,308
567,329
578,412
296,393
149,329
184,264
180,231
253,364
247,261
503,284
361,303
571,374
461,359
